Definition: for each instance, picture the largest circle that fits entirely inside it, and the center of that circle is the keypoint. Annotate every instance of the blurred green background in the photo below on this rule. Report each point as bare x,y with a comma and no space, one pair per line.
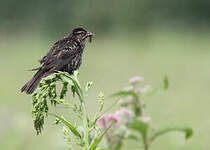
150,38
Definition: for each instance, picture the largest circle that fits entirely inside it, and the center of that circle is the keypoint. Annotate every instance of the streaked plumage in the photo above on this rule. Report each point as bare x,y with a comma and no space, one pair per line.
65,55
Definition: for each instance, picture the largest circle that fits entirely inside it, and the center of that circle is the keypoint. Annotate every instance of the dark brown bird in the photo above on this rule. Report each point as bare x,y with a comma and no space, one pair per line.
65,55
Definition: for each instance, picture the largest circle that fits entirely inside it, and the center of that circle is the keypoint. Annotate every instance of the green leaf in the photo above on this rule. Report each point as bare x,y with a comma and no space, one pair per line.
64,90
47,91
119,144
68,124
72,80
188,133
88,86
187,130
134,137
76,73
166,83
141,127
126,93
94,145
100,102
157,90
66,136
66,79
73,90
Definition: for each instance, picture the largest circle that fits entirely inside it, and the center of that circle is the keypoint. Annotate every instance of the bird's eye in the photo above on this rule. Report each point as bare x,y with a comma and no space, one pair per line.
80,32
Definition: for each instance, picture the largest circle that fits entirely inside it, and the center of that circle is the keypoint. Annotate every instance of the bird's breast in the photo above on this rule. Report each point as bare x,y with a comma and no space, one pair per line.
76,61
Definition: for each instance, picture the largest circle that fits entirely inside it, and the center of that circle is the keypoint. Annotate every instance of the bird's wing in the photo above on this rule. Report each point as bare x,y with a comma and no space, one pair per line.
60,56
56,46
68,51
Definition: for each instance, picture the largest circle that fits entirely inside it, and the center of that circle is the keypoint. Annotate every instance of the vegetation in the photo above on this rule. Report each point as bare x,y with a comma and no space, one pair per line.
58,17
115,127
182,55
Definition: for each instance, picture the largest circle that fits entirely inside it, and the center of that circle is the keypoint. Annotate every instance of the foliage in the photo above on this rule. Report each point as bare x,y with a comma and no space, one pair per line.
128,122
47,92
94,14
133,99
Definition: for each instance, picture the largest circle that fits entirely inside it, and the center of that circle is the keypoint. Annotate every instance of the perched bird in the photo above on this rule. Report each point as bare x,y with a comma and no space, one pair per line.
65,55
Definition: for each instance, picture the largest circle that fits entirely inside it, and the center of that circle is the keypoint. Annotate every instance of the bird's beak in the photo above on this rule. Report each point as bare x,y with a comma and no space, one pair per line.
90,35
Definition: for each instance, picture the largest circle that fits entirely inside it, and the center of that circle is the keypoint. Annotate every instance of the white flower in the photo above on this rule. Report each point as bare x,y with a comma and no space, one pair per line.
125,115
136,80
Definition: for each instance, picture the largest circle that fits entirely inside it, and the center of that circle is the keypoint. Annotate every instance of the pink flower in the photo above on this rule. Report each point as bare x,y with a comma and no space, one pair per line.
125,115
145,119
106,120
136,80
128,100
139,90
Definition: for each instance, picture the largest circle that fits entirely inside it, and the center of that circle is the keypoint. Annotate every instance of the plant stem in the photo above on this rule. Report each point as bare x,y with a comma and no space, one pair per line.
85,124
84,115
145,146
84,111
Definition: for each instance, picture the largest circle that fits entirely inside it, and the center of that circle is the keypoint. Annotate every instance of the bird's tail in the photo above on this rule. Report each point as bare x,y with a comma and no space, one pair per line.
31,85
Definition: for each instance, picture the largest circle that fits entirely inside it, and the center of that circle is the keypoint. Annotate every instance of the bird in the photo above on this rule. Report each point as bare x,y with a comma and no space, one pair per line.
65,55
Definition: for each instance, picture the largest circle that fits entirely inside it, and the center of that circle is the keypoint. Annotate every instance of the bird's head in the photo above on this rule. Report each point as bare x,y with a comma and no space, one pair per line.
81,34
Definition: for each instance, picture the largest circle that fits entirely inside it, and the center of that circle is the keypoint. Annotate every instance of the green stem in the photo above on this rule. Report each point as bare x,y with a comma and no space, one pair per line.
145,146
85,124
84,110
188,132
84,113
